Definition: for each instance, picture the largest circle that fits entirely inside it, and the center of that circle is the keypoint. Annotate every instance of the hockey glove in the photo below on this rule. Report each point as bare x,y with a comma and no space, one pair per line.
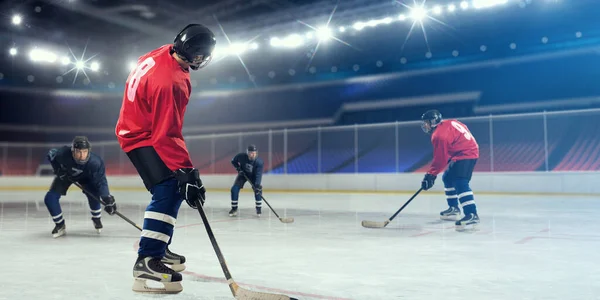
258,190
109,204
428,181
190,186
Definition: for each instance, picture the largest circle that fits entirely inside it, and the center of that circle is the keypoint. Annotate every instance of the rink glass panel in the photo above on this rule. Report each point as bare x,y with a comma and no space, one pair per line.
377,148
518,143
338,149
303,151
573,141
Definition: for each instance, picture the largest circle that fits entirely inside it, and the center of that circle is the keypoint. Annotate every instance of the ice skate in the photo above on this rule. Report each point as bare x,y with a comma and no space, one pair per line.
233,212
450,214
469,222
97,224
258,211
174,260
154,269
59,230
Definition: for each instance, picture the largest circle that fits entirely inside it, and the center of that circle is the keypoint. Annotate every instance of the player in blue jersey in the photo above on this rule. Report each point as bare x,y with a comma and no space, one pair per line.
77,163
250,165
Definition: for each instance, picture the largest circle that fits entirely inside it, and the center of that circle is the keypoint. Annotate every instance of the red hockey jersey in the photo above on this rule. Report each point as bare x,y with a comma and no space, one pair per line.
156,95
451,141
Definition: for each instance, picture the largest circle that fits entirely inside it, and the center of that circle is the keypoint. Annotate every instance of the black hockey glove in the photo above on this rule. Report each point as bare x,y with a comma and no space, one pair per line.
109,204
258,190
428,181
190,186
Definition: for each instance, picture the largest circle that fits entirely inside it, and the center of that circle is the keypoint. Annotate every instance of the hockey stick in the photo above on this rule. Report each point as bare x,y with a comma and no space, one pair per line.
283,220
373,224
101,202
236,290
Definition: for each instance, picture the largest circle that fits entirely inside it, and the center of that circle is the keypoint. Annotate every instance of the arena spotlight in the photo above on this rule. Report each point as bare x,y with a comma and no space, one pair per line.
12,51
323,33
132,65
94,66
437,10
40,55
65,60
478,4
17,20
418,13
80,65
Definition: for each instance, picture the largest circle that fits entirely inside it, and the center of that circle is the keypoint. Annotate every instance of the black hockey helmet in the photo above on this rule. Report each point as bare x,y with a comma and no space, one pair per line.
81,143
251,148
195,44
431,119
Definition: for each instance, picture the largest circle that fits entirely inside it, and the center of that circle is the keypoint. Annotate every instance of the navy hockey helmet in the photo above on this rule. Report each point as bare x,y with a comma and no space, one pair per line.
431,119
251,148
195,44
81,143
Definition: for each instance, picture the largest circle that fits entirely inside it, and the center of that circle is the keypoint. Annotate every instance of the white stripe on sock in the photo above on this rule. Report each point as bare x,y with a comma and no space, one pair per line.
469,193
470,202
449,189
59,220
57,216
96,211
155,235
160,217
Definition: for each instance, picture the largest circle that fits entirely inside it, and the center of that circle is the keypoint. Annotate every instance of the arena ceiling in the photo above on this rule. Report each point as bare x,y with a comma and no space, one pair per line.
116,32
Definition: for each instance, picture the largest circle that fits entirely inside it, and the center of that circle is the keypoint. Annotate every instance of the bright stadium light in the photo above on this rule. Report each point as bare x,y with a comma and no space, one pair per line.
275,42
324,33
418,13
478,4
451,8
132,65
80,65
17,20
464,5
65,60
12,51
437,9
359,25
293,41
94,66
254,46
39,55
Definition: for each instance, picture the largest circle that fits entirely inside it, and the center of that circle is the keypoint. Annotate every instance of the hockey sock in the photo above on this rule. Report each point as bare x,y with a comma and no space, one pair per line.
159,219
235,193
465,197
451,196
95,207
51,201
257,201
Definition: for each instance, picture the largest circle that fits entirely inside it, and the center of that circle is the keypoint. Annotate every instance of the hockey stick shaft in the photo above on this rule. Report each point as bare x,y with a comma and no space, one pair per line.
405,204
116,212
213,241
261,196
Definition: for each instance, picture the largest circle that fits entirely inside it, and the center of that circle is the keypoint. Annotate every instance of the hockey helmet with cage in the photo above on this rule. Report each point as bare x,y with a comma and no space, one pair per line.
430,120
195,44
81,143
251,148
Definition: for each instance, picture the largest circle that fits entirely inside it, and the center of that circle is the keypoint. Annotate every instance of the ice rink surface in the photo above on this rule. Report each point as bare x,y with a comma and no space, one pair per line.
528,247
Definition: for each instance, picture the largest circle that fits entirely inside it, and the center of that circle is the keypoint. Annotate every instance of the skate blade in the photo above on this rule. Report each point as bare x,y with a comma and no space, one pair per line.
467,228
58,234
450,218
98,230
140,286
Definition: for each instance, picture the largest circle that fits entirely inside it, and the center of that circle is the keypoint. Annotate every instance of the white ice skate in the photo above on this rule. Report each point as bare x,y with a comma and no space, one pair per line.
97,224
174,260
59,230
149,268
450,214
469,223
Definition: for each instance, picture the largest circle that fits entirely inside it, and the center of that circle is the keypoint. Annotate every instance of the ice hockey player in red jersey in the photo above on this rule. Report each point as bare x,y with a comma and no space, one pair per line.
454,147
149,130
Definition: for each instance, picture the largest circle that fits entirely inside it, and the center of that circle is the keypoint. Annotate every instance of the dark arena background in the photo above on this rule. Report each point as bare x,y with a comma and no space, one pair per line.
331,92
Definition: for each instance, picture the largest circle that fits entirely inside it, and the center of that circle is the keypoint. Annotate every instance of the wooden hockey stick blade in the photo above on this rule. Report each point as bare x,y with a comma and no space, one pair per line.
286,220
244,294
373,224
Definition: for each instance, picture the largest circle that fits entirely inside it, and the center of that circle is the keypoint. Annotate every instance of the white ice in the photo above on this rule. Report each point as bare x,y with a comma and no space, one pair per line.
528,247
